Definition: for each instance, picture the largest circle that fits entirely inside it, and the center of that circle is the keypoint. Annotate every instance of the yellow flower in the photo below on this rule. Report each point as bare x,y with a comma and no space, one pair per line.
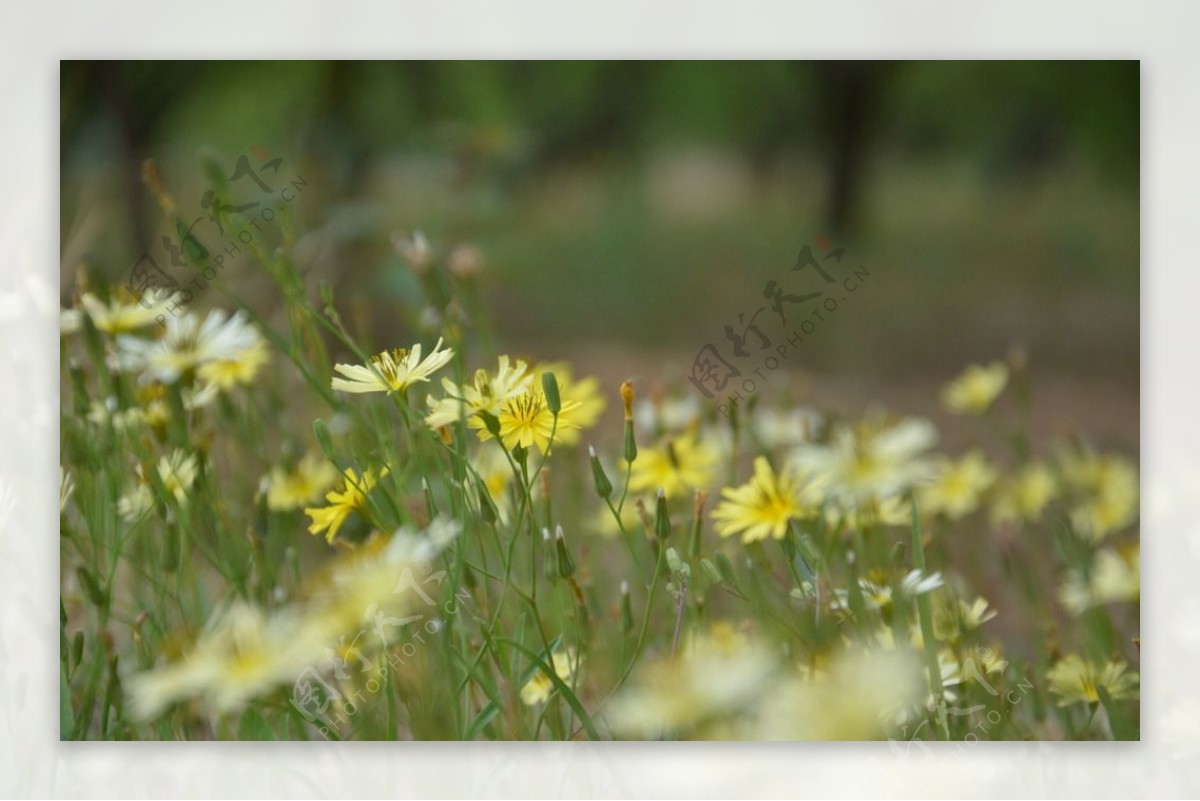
492,466
1106,491
891,511
488,393
1023,496
292,489
392,370
526,421
678,465
124,313
1115,577
352,497
538,689
976,389
958,487
240,369
1074,680
763,506
873,460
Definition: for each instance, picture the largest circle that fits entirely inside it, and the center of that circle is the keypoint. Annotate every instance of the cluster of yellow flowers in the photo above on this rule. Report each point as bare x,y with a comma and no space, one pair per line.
813,614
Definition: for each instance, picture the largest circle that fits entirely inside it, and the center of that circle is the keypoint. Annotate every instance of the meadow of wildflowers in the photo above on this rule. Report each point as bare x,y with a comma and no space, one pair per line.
277,529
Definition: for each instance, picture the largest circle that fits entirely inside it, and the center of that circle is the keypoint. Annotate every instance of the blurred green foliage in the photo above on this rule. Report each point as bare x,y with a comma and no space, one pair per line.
645,203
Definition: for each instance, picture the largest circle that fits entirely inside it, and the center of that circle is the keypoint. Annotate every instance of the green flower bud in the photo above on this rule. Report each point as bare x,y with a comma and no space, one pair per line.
662,521
566,565
550,389
604,487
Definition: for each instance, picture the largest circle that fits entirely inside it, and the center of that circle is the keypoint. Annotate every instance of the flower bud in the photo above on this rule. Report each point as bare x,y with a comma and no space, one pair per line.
626,609
550,390
487,506
491,423
698,522
566,565
662,521
604,487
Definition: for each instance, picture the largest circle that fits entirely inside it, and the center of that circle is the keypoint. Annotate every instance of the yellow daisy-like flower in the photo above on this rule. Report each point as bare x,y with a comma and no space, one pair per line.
679,465
976,389
538,689
526,420
1022,497
303,484
487,393
392,370
351,497
954,617
763,506
958,487
188,343
1076,680
240,369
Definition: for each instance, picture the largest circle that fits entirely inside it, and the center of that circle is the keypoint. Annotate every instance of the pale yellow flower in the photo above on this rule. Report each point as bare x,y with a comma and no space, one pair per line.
123,312
392,370
241,368
487,393
679,465
526,421
1115,577
1076,680
958,486
301,485
187,344
539,688
1105,493
976,389
871,461
1023,496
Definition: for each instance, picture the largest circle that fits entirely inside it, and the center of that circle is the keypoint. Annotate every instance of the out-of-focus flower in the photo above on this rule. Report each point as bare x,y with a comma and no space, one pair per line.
853,698
976,389
245,652
225,374
123,312
667,415
1115,577
678,465
539,687
392,370
764,506
302,484
351,497
1104,491
953,618
870,461
958,486
780,428
718,675
188,344
177,473
1074,680
135,504
1022,497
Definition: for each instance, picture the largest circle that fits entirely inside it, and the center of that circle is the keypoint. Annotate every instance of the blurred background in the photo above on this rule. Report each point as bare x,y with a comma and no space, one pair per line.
625,212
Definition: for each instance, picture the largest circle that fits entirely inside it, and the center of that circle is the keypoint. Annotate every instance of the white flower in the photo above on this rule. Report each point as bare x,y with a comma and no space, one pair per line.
188,343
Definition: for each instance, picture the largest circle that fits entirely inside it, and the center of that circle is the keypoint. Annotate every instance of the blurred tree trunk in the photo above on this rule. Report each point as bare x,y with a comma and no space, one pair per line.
849,97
